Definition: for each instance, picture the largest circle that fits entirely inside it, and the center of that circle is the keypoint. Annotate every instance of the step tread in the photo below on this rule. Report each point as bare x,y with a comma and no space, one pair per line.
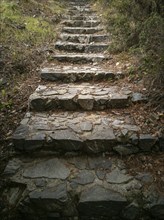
99,187
81,132
69,73
83,38
81,47
80,57
75,97
83,30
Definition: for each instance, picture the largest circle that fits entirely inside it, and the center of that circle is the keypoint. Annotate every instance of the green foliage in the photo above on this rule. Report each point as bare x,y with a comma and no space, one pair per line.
136,25
25,26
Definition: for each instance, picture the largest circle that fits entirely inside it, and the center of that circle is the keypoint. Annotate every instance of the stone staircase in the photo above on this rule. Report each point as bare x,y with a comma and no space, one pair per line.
66,168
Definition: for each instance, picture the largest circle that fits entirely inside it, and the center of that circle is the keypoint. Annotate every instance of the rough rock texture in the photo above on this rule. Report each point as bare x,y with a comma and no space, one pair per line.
71,188
65,167
75,97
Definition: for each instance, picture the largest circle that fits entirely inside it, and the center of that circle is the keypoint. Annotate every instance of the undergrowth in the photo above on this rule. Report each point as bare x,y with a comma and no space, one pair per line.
27,27
137,27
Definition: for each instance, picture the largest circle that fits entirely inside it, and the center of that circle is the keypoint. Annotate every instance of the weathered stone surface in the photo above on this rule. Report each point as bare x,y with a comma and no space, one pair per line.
131,212
146,142
126,150
80,58
84,177
52,168
81,23
79,47
98,201
99,163
101,174
83,38
12,167
73,97
145,177
118,177
157,209
138,97
78,73
81,30
69,132
58,193
86,126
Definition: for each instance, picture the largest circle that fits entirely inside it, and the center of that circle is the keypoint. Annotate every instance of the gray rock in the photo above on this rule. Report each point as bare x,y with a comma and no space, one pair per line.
21,132
118,177
146,142
12,166
124,150
86,102
80,162
40,182
145,177
86,126
138,97
57,193
102,133
131,212
101,174
157,209
99,201
99,163
84,177
52,168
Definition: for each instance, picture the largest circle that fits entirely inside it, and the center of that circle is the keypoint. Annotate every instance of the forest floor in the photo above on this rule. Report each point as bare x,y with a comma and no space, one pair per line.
19,79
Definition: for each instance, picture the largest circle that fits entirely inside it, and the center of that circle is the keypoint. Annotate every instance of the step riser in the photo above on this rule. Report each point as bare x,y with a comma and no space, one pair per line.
81,17
82,30
84,38
74,12
82,49
42,104
76,97
80,76
78,59
81,23
81,133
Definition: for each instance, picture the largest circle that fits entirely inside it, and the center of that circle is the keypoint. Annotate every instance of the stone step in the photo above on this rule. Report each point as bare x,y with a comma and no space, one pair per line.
81,23
81,11
81,17
82,30
84,38
82,48
79,97
80,58
82,133
81,188
78,73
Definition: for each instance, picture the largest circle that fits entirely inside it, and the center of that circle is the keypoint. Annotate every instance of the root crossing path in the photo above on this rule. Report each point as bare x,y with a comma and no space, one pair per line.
78,123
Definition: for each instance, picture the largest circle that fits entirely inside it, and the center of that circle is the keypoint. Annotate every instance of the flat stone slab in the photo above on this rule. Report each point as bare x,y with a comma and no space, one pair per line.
84,38
52,168
82,48
82,30
91,201
80,58
76,97
81,17
81,23
58,188
76,132
83,73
